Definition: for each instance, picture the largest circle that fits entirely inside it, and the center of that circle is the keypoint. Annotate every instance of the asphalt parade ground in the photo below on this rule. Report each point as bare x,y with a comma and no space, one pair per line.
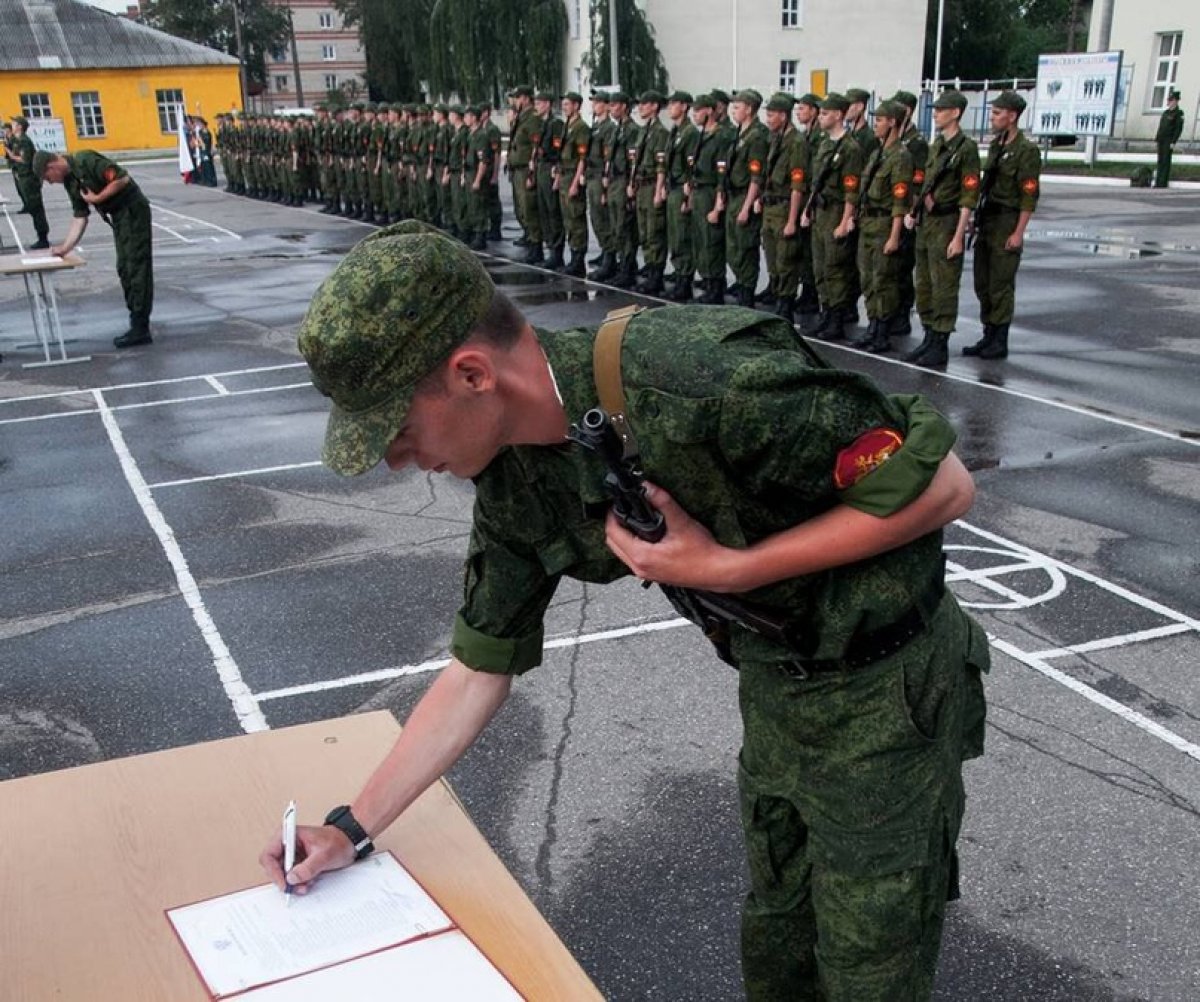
178,567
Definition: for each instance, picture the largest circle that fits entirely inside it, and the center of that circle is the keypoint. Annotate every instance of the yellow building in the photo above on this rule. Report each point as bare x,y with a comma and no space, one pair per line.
87,78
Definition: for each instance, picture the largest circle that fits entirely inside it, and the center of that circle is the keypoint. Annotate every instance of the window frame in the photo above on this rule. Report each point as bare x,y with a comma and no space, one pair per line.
36,104
784,74
167,109
792,14
329,53
331,85
1162,84
86,104
325,20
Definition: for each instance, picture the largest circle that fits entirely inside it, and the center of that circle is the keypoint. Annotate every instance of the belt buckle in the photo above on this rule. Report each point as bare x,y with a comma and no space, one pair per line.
795,670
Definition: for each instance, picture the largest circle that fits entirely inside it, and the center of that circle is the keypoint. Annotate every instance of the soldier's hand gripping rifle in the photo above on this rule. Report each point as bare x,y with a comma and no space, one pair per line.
713,612
814,196
927,189
985,191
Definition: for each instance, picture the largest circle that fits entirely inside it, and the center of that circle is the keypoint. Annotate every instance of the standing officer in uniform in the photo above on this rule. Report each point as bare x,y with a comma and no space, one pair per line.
782,200
455,162
1011,177
29,184
884,201
947,199
495,210
8,159
520,152
599,149
808,108
547,153
572,183
681,154
708,172
621,213
1170,128
815,492
478,170
95,182
743,224
913,140
647,189
856,120
836,174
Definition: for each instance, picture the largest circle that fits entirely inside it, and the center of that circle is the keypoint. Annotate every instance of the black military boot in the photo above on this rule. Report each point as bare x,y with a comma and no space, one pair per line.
860,341
138,333
626,276
880,343
478,241
40,244
368,215
989,335
652,283
521,241
533,254
832,326
555,261
598,259
918,352
785,309
606,268
933,354
998,349
767,297
576,267
900,323
681,292
808,303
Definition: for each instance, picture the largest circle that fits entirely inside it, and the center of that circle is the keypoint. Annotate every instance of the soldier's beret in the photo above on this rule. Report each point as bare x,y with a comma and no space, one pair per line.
1009,100
521,90
951,99
545,95
572,95
906,98
858,95
835,102
889,109
38,164
810,99
720,96
652,97
749,96
781,102
682,96
21,120
394,309
704,101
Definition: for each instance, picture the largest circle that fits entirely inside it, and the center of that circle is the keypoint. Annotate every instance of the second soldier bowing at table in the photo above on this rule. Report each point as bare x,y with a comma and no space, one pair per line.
1011,183
944,206
883,202
572,184
782,201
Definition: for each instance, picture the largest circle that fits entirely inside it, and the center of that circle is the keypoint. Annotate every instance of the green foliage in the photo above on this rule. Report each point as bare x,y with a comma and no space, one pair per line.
998,39
640,64
210,22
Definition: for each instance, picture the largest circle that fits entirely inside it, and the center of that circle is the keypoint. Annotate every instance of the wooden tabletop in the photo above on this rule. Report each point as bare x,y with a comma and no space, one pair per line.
12,264
91,858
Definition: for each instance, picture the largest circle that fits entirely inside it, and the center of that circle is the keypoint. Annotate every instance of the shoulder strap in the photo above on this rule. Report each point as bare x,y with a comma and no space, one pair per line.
606,366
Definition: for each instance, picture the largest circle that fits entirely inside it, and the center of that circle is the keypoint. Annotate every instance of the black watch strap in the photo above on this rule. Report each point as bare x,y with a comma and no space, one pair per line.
347,824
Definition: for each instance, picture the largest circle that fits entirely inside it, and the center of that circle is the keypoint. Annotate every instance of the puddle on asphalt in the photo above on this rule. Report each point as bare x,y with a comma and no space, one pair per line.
295,238
520,277
1126,252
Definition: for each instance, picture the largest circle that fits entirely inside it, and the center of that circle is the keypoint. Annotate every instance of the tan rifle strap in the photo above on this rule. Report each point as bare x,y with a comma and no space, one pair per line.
607,365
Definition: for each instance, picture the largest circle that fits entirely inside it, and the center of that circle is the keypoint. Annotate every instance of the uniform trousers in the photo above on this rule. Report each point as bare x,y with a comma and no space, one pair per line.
30,190
708,239
851,793
548,207
622,218
135,265
879,273
742,241
995,268
598,214
525,205
833,259
651,225
679,236
783,253
574,215
937,279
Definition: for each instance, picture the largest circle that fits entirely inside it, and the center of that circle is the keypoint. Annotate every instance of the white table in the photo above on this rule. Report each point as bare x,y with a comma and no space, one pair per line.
38,275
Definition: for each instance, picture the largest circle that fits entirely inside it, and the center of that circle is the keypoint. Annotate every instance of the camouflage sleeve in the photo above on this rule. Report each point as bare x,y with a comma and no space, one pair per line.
968,172
829,436
506,590
902,179
79,208
852,169
798,166
757,150
1029,170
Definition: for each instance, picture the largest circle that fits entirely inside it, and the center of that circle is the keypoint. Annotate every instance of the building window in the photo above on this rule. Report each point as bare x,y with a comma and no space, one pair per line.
281,84
331,81
325,19
278,54
169,104
89,119
35,105
329,52
791,13
788,69
1166,68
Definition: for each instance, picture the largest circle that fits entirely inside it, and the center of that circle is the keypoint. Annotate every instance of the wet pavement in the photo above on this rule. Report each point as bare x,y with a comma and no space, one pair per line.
160,497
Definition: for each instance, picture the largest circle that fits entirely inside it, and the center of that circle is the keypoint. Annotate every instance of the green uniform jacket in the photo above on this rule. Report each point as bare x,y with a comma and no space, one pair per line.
681,153
576,144
624,148
1013,172
520,147
838,166
23,147
711,158
748,437
600,147
958,184
92,171
787,166
918,148
1170,127
652,151
887,182
748,157
864,135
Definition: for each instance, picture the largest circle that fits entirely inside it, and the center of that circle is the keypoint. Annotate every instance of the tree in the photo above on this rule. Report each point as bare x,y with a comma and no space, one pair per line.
640,64
265,27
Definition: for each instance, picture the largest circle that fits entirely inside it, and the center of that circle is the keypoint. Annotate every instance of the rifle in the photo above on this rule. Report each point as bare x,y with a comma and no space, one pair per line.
985,191
814,196
625,484
868,180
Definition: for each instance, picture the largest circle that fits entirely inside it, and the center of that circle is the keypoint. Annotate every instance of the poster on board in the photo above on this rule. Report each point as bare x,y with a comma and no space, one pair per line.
48,134
1077,92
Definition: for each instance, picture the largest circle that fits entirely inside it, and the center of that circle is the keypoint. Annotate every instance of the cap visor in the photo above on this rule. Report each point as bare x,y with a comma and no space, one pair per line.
356,442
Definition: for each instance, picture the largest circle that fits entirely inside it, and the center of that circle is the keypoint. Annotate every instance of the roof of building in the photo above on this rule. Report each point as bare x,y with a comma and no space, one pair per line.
67,34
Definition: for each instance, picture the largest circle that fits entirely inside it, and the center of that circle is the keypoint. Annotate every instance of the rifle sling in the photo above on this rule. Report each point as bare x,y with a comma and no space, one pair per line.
606,363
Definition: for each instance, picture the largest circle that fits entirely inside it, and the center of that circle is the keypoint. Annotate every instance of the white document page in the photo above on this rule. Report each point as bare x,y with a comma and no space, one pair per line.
252,937
40,262
444,967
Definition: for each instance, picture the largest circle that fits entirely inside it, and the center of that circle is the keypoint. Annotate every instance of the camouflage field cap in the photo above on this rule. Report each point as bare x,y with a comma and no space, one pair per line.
951,99
618,97
781,102
573,95
20,120
682,96
812,100
521,90
889,109
1009,100
652,97
906,98
856,95
835,102
704,101
395,308
720,96
38,164
749,96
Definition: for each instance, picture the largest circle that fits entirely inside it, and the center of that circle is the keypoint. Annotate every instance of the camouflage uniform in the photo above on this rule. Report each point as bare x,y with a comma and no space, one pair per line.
707,172
621,214
784,180
742,239
29,187
520,151
548,141
917,145
650,163
575,146
681,154
599,147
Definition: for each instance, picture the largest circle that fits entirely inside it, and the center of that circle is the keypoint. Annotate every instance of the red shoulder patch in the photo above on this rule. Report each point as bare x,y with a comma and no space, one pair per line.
110,175
866,453
556,142
850,182
919,176
899,190
755,166
971,182
1029,185
797,175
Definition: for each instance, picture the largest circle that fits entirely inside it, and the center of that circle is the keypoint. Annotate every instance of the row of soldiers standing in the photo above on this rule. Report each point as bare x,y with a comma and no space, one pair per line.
841,206
378,163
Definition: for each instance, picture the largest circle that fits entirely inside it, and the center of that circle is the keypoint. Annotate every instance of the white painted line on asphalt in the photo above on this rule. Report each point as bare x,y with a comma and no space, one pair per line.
1092,695
87,391
193,219
1109,642
383,674
231,476
217,385
249,713
173,233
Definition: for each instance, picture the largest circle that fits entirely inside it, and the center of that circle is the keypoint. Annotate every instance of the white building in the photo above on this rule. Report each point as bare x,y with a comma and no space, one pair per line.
1160,40
330,55
771,45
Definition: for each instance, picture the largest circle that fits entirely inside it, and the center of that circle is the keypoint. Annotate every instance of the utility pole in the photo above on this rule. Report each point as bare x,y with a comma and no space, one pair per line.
613,62
937,58
295,60
241,52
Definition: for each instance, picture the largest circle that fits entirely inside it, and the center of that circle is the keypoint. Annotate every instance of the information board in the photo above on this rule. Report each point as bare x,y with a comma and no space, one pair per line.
1077,92
48,134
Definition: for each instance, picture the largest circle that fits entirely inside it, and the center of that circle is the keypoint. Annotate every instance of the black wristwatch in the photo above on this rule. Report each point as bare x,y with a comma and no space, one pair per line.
347,824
